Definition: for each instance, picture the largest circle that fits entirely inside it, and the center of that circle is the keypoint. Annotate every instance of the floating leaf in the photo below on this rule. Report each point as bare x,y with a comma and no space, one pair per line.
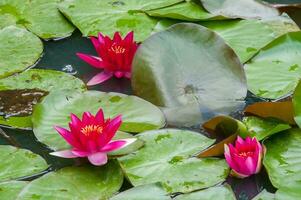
138,115
19,49
219,192
240,9
17,163
166,158
297,105
247,37
108,16
76,183
279,110
32,82
144,192
189,91
282,159
41,17
264,195
287,194
187,10
9,190
263,128
275,71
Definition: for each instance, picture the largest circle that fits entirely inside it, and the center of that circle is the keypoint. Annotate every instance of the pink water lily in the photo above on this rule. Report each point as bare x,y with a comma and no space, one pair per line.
92,137
245,158
115,56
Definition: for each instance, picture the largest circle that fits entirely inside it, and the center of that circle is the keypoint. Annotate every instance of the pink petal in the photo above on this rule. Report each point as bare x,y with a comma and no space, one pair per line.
75,120
87,118
95,42
101,39
92,60
238,175
79,153
118,144
111,129
127,74
99,117
117,37
129,38
99,78
64,154
250,165
119,74
67,136
98,158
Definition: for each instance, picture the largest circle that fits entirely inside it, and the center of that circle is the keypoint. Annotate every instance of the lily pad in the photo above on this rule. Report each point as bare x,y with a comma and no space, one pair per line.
219,192
76,183
263,128
167,158
138,115
33,81
188,10
41,17
265,195
17,163
9,190
108,16
287,194
247,37
275,71
19,49
282,159
297,104
144,192
245,9
189,92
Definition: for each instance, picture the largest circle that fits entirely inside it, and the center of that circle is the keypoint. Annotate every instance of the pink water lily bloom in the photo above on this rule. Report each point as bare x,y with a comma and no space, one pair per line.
115,56
92,137
245,158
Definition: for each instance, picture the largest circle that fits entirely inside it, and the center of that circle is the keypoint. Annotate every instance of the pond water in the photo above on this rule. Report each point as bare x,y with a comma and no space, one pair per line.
60,55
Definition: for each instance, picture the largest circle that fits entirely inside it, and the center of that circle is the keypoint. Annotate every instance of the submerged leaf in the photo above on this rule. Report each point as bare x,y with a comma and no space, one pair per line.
189,92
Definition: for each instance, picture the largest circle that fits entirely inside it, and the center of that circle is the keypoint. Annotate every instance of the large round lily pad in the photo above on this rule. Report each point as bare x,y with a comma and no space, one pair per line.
9,190
275,71
108,16
19,49
138,115
76,183
17,163
166,157
41,17
32,82
240,9
193,74
282,160
297,104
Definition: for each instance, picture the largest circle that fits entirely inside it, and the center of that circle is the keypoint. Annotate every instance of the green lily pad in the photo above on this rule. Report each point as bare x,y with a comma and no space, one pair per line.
296,104
76,183
9,190
166,157
247,37
282,159
219,192
245,9
189,92
41,17
144,192
275,71
263,128
189,11
19,49
264,195
108,16
17,163
138,115
287,194
44,80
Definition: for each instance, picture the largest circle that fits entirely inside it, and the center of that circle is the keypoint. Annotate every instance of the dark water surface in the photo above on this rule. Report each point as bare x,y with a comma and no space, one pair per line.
60,55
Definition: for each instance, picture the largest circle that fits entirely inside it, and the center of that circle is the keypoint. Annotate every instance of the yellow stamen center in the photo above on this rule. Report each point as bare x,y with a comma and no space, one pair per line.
117,49
246,154
87,130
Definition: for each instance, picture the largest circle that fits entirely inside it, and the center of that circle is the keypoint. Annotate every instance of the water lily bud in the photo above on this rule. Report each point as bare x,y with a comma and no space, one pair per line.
245,158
